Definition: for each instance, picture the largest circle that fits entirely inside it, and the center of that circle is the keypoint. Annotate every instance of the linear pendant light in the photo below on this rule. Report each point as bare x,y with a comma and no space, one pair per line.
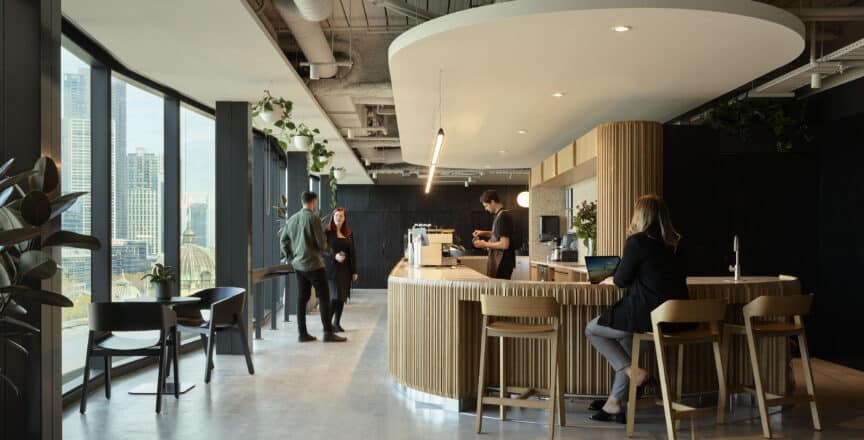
439,138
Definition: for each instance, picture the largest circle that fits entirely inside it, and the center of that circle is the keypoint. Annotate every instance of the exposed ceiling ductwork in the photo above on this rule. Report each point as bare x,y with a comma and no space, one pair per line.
408,10
302,17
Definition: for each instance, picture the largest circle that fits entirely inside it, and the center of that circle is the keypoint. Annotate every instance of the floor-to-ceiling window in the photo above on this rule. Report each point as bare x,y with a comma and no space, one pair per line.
75,263
197,200
137,187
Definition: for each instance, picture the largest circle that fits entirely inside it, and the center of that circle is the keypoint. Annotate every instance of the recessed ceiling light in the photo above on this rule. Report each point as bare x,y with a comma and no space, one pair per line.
522,131
621,28
502,151
558,94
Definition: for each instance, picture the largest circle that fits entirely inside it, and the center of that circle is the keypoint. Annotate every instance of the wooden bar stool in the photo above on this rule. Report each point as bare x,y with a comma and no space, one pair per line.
756,326
492,307
707,313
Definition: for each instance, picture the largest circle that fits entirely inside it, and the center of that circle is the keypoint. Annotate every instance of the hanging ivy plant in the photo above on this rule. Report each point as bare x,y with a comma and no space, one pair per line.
320,156
334,185
276,111
785,119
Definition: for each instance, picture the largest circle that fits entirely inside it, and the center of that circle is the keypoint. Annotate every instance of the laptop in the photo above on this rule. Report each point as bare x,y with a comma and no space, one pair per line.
600,268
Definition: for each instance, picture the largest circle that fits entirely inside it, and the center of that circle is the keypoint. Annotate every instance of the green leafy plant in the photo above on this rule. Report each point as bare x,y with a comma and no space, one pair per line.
160,274
281,208
281,120
334,186
785,119
302,129
585,221
27,226
320,156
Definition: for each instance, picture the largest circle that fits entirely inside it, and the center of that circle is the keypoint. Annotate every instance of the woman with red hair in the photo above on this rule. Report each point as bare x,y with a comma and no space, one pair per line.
341,264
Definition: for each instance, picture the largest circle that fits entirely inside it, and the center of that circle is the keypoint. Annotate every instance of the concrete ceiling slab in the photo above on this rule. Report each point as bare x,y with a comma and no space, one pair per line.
211,50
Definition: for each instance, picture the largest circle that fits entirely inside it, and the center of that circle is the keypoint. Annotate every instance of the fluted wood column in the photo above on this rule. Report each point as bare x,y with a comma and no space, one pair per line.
629,164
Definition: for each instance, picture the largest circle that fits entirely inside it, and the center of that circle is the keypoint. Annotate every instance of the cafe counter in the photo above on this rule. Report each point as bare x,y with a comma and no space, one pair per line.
434,327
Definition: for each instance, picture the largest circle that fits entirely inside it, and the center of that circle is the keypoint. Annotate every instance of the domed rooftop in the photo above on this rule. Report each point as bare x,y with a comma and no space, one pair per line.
123,289
197,265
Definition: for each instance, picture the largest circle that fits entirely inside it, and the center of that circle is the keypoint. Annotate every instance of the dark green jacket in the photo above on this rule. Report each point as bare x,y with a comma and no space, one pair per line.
302,240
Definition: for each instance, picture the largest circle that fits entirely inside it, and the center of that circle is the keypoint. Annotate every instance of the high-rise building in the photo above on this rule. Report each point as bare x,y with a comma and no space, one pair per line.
144,210
198,222
119,180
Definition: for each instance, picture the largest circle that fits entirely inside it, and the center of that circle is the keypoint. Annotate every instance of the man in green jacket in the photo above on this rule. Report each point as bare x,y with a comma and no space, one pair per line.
303,241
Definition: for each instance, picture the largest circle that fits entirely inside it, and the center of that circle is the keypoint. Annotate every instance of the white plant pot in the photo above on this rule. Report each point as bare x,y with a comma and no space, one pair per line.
338,174
271,117
302,142
323,159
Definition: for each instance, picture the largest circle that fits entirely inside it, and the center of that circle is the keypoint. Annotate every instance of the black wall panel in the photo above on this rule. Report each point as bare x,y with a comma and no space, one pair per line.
381,215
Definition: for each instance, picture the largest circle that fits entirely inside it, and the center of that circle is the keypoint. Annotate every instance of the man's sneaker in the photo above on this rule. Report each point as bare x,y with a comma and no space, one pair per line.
332,337
306,337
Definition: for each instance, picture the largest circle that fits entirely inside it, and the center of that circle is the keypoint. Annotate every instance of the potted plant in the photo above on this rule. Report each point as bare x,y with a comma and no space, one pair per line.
302,136
161,277
27,219
335,175
320,156
276,112
585,223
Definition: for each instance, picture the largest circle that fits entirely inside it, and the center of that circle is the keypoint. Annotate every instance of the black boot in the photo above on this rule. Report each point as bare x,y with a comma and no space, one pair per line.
337,315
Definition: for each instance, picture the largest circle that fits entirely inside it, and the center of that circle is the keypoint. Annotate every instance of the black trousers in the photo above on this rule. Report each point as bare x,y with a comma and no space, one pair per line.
306,280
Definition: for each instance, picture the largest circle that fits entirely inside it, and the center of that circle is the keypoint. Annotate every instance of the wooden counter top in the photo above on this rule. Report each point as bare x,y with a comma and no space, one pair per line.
562,265
464,273
434,325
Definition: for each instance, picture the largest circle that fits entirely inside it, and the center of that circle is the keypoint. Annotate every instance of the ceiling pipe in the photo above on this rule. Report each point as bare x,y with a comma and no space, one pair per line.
403,8
302,17
847,13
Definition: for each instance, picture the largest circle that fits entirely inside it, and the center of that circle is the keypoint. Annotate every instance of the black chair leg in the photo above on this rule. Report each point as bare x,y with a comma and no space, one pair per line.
246,351
208,365
83,407
160,383
176,356
107,376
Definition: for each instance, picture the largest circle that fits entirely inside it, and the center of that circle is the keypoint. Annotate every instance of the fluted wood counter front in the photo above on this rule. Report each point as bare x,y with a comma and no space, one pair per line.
434,328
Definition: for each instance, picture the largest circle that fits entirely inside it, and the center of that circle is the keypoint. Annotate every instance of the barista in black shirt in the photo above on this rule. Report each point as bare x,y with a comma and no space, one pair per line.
501,243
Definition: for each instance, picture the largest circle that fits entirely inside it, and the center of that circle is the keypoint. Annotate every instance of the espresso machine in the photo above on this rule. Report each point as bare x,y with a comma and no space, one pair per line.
429,246
567,250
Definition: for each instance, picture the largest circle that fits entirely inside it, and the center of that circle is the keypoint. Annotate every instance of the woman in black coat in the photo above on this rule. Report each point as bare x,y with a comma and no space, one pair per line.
652,270
341,264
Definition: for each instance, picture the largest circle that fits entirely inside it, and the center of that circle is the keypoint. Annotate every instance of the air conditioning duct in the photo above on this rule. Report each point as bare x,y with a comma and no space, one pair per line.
302,17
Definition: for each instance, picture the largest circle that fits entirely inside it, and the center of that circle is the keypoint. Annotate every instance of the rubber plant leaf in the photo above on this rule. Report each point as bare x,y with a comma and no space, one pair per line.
5,167
37,265
36,208
43,297
17,346
64,202
19,324
10,383
47,177
15,236
72,240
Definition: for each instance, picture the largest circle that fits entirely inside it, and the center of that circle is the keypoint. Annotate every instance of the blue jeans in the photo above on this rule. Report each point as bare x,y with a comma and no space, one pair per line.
616,346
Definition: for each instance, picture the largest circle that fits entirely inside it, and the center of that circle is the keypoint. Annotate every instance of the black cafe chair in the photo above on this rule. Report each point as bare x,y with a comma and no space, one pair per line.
108,318
226,305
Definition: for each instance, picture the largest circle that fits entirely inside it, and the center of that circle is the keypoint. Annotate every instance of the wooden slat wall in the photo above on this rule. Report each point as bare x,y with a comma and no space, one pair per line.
434,337
629,164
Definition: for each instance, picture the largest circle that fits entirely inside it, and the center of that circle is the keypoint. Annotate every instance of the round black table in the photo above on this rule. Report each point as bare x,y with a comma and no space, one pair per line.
173,301
146,388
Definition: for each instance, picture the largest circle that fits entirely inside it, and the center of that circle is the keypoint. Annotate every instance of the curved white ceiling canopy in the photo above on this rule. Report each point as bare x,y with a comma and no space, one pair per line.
503,63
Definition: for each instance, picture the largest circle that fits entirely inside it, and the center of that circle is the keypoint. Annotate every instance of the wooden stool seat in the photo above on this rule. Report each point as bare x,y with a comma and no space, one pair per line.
709,313
513,329
795,307
515,307
767,329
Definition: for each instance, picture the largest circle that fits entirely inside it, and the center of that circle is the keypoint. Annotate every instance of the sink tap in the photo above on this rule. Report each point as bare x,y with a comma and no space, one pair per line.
736,269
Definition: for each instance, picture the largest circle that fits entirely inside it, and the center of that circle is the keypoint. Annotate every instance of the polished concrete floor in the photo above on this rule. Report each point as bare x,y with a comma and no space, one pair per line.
343,391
